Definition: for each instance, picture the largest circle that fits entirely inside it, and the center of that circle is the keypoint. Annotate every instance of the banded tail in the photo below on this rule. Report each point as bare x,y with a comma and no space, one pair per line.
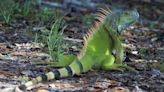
75,67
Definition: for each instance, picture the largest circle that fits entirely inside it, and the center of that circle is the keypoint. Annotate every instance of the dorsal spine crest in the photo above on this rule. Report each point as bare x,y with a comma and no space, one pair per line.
100,17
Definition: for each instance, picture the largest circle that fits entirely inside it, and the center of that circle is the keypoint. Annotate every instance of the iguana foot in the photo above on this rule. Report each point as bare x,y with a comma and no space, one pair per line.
122,67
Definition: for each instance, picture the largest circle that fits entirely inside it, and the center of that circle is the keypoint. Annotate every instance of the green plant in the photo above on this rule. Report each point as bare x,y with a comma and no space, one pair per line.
44,39
6,16
6,10
26,9
143,51
55,39
45,14
36,38
87,20
161,67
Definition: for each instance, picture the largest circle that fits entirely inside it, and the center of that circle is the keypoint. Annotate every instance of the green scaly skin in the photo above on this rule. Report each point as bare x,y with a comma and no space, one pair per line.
100,42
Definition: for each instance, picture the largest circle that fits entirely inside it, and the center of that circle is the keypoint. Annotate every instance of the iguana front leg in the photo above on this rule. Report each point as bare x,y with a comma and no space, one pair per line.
119,50
116,45
119,53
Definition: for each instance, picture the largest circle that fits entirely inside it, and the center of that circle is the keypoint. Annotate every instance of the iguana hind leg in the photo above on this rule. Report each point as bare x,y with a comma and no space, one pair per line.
109,64
63,61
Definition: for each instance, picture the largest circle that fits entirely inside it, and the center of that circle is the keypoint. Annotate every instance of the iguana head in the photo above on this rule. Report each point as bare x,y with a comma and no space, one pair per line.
124,18
117,20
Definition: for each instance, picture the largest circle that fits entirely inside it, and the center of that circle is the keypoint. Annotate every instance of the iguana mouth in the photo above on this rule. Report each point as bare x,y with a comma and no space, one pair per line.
125,27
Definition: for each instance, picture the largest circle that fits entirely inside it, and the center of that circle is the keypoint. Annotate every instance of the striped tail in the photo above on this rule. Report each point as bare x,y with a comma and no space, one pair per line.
75,67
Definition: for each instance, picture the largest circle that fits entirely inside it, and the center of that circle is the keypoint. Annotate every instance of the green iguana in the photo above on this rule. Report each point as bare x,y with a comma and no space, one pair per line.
100,42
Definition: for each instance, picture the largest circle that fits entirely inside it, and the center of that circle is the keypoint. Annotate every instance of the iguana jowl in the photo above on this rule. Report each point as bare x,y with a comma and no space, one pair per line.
99,43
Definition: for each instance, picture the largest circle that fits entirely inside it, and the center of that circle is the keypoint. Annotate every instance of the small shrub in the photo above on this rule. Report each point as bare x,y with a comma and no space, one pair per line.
6,10
88,20
55,39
